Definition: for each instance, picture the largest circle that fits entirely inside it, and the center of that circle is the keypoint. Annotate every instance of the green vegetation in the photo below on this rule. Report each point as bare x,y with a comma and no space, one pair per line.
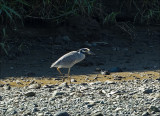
14,12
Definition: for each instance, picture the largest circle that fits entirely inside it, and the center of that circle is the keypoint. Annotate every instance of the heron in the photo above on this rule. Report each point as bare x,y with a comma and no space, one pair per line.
68,60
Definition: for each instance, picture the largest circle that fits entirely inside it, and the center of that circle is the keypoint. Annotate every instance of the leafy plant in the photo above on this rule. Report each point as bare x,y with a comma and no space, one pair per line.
110,18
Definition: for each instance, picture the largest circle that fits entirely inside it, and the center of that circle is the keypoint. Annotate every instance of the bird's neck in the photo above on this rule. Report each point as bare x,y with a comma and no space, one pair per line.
81,52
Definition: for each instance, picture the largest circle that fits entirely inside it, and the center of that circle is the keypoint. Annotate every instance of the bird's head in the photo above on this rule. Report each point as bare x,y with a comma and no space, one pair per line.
86,51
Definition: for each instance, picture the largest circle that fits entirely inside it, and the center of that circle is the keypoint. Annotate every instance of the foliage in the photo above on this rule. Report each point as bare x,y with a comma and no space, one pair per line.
14,11
147,11
110,18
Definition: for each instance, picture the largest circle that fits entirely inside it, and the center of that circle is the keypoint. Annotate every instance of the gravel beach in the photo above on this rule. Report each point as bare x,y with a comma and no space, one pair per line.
109,98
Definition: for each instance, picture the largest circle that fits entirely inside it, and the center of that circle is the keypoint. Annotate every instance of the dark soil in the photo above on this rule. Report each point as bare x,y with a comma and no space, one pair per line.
43,45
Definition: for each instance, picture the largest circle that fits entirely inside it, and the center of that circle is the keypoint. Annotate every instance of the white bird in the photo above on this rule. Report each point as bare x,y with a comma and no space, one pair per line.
70,59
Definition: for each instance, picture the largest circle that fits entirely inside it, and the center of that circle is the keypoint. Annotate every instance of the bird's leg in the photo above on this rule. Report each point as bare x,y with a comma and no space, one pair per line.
69,74
60,73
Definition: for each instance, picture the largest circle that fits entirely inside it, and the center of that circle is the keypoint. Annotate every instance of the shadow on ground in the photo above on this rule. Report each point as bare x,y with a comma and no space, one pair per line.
114,50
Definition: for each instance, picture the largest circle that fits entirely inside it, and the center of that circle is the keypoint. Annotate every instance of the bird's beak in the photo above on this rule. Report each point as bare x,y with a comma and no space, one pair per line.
91,53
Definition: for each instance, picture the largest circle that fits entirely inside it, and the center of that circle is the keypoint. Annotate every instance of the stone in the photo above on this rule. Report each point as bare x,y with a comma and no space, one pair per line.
56,93
105,73
97,114
145,114
95,78
73,80
34,86
62,113
12,111
6,87
0,98
147,91
40,114
109,82
30,94
154,108
48,86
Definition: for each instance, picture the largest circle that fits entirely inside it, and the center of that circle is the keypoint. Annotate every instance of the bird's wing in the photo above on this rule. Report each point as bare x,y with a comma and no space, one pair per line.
67,59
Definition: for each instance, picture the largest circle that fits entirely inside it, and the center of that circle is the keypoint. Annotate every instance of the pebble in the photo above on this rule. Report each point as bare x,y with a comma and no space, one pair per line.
154,108
109,82
73,80
97,114
56,93
40,114
0,98
145,114
34,86
30,94
147,91
6,87
61,114
105,73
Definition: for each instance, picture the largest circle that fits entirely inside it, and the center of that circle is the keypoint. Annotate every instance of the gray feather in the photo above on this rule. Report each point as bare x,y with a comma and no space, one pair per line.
68,60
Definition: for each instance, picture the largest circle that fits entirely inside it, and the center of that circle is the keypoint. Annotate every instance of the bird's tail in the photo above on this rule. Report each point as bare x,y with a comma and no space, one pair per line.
52,65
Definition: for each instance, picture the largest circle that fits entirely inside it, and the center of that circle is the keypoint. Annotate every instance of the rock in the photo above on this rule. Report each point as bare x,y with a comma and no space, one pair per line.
97,114
90,104
73,80
62,113
115,69
109,82
6,87
32,82
105,72
95,78
30,94
56,93
102,92
12,111
34,86
48,86
40,114
147,91
118,109
145,114
154,108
